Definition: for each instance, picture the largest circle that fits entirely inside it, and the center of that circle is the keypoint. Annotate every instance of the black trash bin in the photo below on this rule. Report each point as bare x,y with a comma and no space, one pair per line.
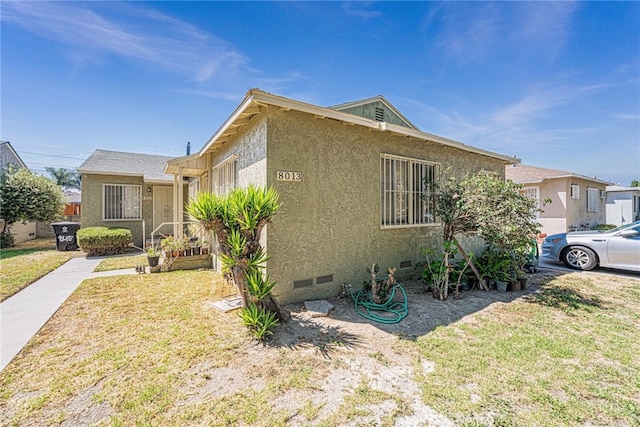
66,235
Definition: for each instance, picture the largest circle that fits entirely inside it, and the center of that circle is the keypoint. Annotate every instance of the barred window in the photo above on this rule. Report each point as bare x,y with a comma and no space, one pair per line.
223,176
120,201
402,191
534,193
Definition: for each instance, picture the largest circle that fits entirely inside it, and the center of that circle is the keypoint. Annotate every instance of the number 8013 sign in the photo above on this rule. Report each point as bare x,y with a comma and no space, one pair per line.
289,176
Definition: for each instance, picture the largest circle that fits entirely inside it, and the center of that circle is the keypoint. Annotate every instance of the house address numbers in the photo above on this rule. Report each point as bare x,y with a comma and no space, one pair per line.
289,176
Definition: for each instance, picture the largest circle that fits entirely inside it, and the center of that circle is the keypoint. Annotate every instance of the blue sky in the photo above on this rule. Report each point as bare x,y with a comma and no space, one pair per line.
556,84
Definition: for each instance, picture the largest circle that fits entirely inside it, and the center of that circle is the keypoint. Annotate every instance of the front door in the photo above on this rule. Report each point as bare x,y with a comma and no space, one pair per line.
163,209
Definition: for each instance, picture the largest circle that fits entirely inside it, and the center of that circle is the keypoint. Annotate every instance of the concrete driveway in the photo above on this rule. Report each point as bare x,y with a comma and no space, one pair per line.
611,271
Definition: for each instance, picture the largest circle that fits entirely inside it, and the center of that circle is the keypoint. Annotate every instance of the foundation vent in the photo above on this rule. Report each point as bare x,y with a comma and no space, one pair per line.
405,264
302,283
324,279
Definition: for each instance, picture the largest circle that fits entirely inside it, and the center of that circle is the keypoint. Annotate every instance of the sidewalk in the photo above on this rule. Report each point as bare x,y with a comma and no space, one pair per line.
23,314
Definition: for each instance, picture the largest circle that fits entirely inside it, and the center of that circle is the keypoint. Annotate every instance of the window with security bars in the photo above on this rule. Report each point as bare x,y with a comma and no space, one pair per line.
404,194
593,199
223,176
120,201
534,193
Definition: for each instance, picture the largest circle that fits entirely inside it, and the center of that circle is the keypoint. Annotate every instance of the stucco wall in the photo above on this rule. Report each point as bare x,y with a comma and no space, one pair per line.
250,145
22,232
92,205
329,224
577,208
564,212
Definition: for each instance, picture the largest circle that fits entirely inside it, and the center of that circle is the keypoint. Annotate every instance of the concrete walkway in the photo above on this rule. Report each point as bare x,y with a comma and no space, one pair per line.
23,314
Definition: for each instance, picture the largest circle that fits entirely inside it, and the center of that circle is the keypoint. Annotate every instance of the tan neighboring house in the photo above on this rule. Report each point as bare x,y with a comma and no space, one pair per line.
21,231
623,205
350,178
127,190
577,202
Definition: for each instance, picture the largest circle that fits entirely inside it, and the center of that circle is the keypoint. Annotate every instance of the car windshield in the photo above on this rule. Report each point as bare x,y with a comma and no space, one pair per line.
622,227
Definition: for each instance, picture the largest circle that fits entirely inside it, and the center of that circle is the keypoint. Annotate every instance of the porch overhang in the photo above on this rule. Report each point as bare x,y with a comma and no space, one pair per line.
191,165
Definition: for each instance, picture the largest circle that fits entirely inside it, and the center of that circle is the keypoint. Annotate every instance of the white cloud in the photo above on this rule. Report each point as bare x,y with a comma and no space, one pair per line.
132,32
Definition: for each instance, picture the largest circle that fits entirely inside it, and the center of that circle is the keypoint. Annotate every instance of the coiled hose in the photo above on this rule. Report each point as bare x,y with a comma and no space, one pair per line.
365,306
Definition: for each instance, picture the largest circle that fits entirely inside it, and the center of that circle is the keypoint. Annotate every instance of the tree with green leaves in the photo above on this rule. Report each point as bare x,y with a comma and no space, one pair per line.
635,183
237,219
25,196
483,205
66,178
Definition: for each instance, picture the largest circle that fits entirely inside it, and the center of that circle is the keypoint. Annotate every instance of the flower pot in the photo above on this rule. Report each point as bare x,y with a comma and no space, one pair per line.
501,286
523,283
153,260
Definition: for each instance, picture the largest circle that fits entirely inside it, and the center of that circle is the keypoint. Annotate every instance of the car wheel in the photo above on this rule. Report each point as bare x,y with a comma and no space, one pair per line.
579,258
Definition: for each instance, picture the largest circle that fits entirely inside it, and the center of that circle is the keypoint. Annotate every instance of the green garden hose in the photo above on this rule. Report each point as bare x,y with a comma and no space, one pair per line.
365,306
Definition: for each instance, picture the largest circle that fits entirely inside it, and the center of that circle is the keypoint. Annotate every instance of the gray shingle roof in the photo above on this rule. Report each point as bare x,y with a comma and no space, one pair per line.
150,167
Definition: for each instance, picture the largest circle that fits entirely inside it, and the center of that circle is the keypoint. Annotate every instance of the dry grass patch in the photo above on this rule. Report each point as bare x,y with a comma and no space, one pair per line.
120,262
150,350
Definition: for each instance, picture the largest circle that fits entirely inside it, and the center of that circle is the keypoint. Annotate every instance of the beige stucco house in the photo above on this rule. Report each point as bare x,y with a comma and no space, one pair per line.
349,177
569,201
128,190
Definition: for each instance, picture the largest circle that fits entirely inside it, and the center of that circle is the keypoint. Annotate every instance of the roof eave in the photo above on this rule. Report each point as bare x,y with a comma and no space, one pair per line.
447,142
255,98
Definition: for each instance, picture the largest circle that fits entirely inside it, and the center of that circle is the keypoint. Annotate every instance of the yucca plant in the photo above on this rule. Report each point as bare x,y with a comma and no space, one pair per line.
238,219
259,321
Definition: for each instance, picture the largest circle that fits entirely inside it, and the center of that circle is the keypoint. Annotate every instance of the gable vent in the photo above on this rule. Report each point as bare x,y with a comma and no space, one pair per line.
379,114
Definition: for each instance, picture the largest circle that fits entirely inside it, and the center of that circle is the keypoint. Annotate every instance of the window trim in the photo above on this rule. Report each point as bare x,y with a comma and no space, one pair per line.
574,192
104,205
596,199
229,162
412,193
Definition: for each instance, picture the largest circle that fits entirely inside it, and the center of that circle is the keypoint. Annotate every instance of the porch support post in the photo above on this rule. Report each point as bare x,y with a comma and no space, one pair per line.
175,210
180,203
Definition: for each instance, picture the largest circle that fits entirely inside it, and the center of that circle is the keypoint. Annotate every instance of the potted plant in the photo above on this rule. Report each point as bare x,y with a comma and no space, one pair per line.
153,257
495,265
167,245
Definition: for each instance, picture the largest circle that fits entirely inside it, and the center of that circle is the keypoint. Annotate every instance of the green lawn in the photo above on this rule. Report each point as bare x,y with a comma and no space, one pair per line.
27,262
568,356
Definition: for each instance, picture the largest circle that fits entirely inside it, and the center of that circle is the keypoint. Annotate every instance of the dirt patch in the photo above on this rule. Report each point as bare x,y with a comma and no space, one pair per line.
352,355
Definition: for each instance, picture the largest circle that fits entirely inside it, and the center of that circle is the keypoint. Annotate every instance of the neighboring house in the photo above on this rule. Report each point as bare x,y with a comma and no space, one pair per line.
21,231
71,213
576,201
127,190
350,179
73,207
9,156
623,205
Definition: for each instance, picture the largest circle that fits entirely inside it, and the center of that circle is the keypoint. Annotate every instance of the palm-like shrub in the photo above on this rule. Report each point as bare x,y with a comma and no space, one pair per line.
238,219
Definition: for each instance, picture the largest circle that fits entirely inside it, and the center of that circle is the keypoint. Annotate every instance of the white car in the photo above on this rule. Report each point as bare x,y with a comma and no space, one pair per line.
585,250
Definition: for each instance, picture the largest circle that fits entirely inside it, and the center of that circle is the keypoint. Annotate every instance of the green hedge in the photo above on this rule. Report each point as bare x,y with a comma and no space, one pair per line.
603,227
97,241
